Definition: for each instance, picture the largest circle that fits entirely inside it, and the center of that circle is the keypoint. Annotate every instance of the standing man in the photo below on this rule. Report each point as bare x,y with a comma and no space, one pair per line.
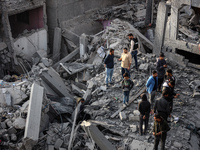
169,86
144,108
126,62
162,106
134,48
127,85
169,76
152,84
161,65
160,130
109,64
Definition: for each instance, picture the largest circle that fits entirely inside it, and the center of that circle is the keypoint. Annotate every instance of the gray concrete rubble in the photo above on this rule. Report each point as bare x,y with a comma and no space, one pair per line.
56,98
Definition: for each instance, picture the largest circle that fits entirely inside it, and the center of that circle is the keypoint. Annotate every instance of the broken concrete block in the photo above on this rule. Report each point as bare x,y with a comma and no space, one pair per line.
144,67
133,128
19,123
12,130
50,147
136,112
2,46
62,149
58,143
13,137
140,145
103,88
3,125
53,80
134,118
83,46
31,134
7,97
122,116
178,145
9,123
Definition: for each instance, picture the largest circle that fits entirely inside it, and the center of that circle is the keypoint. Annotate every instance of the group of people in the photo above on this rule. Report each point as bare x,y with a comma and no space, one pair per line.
163,106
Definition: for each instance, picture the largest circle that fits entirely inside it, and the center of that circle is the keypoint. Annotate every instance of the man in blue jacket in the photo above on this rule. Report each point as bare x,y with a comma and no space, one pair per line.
152,85
109,64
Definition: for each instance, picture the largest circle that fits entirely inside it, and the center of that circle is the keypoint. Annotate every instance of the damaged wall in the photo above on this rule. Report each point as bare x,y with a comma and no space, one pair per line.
26,46
62,10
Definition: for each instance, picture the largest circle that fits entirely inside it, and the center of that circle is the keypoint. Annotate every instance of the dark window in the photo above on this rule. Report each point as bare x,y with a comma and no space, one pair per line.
23,17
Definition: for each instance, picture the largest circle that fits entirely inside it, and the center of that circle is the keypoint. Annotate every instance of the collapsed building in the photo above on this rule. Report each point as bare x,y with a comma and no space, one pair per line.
57,49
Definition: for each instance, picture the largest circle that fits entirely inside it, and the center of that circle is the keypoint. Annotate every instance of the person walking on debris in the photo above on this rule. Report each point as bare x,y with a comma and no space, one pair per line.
160,130
109,64
134,48
169,86
169,76
144,108
162,106
160,67
126,62
152,84
127,85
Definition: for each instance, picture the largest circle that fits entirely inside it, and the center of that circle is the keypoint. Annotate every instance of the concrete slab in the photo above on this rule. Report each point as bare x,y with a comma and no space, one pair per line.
139,145
2,46
97,136
56,44
31,134
53,80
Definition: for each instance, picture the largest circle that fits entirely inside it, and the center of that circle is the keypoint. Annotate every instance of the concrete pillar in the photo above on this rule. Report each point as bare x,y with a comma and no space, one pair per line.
160,27
97,136
56,44
31,134
83,46
148,17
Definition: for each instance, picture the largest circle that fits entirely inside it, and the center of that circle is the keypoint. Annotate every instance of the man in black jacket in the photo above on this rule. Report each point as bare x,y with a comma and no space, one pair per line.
109,64
169,86
169,76
160,130
160,67
162,106
144,108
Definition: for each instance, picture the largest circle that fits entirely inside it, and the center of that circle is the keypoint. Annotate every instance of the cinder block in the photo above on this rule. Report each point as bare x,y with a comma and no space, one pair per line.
122,116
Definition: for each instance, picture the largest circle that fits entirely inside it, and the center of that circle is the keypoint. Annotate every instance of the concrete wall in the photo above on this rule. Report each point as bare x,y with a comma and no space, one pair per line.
63,10
26,46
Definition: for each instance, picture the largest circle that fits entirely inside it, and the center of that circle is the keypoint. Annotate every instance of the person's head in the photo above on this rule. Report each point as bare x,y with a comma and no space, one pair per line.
161,57
125,75
169,72
125,50
111,51
165,93
157,118
154,73
130,36
144,97
171,83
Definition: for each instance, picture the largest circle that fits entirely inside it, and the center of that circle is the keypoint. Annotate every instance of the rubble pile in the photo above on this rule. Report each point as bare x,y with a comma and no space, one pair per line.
189,24
134,12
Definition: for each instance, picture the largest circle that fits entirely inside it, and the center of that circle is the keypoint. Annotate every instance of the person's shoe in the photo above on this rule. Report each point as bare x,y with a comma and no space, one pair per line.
107,86
124,105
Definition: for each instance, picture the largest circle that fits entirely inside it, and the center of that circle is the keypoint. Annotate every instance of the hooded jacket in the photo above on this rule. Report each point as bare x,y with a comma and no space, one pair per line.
144,106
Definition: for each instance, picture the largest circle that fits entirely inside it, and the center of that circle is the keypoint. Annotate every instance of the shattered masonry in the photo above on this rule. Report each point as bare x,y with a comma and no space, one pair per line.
52,58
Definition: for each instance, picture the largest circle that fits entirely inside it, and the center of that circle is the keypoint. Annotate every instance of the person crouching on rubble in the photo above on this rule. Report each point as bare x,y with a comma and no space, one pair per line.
127,85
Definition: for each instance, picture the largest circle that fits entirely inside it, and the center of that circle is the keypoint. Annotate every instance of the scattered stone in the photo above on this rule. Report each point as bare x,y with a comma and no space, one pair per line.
122,116
58,143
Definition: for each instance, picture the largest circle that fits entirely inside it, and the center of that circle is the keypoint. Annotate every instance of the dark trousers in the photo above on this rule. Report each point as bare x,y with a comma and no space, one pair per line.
145,121
123,70
157,140
134,54
160,81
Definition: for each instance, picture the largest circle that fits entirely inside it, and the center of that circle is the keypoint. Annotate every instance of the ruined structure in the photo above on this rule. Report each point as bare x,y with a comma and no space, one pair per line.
24,31
177,31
